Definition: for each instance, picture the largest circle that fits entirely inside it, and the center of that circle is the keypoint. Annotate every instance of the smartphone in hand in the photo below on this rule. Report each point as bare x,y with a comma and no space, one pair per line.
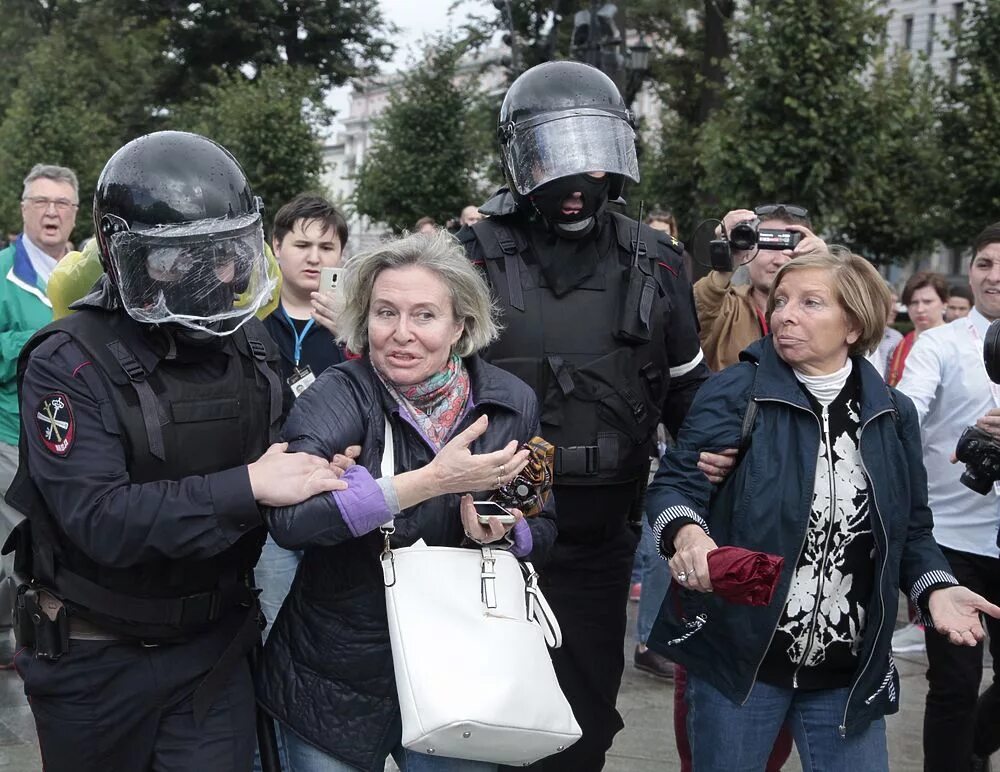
487,509
329,280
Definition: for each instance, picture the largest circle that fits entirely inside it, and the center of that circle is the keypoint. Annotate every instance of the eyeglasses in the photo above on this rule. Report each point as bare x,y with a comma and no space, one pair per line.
768,209
42,203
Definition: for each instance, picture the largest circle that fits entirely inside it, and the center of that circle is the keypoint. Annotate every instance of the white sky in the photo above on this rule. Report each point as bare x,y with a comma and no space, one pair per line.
416,20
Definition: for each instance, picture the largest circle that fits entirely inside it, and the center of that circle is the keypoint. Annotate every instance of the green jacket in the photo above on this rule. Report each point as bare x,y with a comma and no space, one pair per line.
24,309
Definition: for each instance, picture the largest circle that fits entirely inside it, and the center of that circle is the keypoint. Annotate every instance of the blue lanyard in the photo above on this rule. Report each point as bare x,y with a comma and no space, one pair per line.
298,337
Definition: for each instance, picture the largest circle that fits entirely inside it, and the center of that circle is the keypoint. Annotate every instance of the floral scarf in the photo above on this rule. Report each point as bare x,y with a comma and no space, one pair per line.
436,403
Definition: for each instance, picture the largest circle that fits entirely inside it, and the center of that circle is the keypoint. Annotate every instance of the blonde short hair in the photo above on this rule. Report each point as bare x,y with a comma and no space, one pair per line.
860,290
439,253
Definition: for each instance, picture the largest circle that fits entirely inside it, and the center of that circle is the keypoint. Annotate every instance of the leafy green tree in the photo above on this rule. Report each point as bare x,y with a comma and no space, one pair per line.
970,128
86,94
334,40
272,125
889,207
430,150
790,127
689,74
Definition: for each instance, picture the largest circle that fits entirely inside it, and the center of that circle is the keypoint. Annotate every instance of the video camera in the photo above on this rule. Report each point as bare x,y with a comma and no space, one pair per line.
977,449
746,236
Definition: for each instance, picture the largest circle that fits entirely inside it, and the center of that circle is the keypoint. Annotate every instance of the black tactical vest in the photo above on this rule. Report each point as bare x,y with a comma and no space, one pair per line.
596,357
171,427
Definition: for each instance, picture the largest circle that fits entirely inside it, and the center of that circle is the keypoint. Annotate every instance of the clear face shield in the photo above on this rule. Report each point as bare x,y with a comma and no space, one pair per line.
209,275
563,144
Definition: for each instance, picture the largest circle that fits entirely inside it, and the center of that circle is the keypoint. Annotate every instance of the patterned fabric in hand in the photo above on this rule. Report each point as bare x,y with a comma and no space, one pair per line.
531,488
436,403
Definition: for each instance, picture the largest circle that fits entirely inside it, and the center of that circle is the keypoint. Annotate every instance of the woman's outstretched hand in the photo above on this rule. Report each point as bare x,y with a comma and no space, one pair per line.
955,611
456,469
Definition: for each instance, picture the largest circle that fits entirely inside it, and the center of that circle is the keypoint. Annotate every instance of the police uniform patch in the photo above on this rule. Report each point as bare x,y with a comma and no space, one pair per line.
56,426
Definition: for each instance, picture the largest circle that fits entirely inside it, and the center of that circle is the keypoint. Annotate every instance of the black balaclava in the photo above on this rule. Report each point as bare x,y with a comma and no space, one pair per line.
549,198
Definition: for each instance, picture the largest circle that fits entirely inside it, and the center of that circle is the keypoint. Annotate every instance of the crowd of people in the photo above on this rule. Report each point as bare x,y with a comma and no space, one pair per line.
197,452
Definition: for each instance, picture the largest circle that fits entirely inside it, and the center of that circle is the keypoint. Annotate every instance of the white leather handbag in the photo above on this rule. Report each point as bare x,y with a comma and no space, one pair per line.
469,631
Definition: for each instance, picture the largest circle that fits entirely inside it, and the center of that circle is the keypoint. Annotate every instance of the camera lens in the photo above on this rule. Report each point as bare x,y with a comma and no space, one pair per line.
973,481
744,235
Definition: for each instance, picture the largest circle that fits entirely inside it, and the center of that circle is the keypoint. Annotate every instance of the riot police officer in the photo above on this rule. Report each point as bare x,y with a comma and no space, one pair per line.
146,420
599,318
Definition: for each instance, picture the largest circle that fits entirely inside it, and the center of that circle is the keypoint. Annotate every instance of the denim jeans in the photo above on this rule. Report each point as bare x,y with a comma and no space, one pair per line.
273,574
303,757
655,580
279,745
737,738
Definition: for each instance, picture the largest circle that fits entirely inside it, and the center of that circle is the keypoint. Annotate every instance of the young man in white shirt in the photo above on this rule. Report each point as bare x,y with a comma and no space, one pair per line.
947,381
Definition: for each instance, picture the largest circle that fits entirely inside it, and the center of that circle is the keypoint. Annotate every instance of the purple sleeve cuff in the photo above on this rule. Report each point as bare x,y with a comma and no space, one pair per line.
522,541
362,505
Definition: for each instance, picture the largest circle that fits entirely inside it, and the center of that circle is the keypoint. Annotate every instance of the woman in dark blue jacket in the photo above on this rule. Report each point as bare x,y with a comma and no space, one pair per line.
419,310
832,480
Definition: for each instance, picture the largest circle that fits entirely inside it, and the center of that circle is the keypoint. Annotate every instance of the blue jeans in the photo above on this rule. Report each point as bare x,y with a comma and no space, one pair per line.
303,757
655,580
273,574
737,738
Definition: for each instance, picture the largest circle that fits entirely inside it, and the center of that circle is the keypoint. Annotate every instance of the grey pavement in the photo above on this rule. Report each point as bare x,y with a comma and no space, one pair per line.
646,704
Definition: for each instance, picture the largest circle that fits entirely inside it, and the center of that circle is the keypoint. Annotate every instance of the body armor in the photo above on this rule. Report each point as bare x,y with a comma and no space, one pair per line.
594,356
171,427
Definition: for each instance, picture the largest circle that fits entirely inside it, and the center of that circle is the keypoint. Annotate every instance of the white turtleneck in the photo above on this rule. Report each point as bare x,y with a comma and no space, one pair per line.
826,387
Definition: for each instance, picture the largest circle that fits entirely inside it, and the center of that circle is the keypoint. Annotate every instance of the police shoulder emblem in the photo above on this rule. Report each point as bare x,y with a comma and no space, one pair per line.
55,423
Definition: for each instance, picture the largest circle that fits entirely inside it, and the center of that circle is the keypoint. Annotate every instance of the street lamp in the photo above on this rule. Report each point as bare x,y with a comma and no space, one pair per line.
637,68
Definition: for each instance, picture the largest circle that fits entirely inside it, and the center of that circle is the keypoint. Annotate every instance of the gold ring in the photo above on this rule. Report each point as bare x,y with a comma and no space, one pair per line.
503,470
499,482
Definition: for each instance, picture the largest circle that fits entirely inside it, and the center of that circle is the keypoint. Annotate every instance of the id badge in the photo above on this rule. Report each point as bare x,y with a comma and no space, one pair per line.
301,380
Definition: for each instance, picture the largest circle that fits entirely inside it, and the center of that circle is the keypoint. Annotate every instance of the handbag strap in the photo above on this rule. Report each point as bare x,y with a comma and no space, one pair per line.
388,469
389,528
539,610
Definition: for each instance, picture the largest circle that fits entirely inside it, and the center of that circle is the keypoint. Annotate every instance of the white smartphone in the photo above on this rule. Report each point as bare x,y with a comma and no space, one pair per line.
487,509
329,280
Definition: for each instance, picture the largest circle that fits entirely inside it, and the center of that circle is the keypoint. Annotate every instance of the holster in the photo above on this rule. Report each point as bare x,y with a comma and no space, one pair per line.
41,623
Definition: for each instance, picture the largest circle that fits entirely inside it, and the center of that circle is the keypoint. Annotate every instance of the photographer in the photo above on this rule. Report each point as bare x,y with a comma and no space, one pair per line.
946,378
732,317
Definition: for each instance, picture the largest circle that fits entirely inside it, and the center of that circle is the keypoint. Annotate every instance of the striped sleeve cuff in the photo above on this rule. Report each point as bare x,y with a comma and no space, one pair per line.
669,515
932,580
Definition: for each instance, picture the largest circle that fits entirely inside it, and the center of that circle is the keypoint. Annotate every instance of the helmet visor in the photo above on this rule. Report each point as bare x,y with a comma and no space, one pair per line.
559,146
208,275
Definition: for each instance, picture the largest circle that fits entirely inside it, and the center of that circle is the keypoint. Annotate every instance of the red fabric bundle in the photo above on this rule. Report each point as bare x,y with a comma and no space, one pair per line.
741,576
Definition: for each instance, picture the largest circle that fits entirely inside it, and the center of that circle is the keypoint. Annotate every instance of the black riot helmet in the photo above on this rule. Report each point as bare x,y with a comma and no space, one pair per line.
561,119
180,233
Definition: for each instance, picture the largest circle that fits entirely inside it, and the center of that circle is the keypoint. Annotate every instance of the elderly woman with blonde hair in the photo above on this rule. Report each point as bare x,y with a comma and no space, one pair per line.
831,479
418,311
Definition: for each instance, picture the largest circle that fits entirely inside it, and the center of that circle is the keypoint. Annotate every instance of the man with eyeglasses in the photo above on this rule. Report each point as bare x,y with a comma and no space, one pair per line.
48,211
732,316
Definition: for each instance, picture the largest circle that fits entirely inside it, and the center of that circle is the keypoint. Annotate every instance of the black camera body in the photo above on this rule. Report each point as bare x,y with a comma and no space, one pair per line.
748,234
977,449
777,238
981,455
